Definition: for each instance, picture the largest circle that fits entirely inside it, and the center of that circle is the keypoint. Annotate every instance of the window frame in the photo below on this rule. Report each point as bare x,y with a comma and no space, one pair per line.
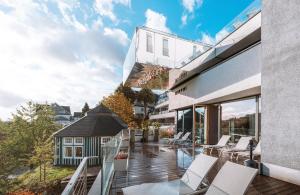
65,143
74,152
75,143
165,51
64,152
149,44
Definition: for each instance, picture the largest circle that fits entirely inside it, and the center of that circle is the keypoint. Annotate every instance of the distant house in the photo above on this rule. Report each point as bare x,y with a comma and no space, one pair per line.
77,116
62,114
84,137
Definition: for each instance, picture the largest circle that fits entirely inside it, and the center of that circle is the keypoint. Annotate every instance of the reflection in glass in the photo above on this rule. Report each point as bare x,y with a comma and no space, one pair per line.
238,119
200,137
185,120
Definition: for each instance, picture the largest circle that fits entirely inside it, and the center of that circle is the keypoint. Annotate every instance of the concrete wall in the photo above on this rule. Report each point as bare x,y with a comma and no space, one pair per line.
281,84
233,76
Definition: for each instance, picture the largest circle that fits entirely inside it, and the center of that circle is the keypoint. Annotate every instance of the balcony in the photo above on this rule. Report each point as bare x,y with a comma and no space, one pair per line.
242,32
162,114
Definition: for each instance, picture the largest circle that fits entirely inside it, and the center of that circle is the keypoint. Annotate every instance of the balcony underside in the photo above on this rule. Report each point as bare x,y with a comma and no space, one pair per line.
156,163
148,76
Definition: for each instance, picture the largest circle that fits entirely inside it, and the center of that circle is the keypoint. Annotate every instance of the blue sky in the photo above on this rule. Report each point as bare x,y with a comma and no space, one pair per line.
72,51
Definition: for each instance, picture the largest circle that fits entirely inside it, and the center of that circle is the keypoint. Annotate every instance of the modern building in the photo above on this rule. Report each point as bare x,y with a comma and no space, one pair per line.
247,84
84,137
152,54
139,109
161,113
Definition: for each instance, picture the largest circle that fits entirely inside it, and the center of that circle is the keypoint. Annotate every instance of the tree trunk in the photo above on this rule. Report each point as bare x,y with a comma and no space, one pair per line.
156,135
132,136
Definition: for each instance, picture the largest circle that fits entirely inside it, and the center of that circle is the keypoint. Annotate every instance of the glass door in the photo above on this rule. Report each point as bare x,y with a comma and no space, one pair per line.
200,133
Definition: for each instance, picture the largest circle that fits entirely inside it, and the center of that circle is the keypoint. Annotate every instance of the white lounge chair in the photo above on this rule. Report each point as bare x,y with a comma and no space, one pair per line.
176,137
183,139
256,152
241,146
232,179
221,144
190,182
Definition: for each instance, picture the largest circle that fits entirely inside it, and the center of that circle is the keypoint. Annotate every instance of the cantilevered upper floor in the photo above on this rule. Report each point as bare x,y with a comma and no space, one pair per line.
153,53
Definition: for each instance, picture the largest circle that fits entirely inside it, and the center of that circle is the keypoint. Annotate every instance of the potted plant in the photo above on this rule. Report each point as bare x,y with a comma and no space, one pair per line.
156,130
121,161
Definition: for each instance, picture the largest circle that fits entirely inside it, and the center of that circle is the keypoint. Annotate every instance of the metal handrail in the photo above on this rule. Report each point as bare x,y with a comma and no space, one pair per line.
78,182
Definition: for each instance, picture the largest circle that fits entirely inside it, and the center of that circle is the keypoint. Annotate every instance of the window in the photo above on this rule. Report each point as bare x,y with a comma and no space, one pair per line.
149,43
165,47
78,141
68,152
105,140
68,140
238,118
78,151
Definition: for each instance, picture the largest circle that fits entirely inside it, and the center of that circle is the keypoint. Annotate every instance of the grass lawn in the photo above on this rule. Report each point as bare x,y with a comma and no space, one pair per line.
31,180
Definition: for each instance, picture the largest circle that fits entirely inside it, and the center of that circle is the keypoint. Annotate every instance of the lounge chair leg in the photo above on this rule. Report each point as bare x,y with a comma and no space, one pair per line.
210,151
231,156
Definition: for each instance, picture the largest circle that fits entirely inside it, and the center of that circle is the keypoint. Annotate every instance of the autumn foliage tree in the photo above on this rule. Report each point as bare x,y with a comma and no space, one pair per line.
119,104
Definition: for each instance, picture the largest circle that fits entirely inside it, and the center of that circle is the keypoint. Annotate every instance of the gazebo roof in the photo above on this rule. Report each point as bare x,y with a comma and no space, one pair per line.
100,121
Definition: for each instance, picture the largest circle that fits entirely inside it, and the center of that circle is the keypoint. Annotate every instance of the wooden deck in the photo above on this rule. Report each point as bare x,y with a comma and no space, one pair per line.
156,163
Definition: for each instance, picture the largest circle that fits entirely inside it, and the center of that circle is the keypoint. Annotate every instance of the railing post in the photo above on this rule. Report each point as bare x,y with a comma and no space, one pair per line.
85,178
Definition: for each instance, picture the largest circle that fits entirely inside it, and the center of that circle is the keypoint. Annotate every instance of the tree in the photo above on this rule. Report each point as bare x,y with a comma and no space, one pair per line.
146,96
29,129
43,155
127,91
120,105
85,109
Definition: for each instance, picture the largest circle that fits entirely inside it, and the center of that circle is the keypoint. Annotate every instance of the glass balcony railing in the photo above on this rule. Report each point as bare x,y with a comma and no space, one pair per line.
253,9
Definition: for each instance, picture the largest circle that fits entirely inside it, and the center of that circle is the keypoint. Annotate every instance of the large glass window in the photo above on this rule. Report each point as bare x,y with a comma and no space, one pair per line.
238,118
200,137
185,120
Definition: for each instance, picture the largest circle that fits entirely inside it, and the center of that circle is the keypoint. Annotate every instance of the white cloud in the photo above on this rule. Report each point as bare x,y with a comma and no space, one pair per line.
156,21
189,8
208,39
190,5
48,56
106,7
184,19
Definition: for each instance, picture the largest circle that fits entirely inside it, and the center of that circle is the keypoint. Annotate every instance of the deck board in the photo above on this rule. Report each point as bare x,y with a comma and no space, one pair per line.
156,163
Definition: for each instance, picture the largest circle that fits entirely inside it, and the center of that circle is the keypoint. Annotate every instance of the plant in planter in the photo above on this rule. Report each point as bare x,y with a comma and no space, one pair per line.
145,128
156,130
121,155
121,161
132,126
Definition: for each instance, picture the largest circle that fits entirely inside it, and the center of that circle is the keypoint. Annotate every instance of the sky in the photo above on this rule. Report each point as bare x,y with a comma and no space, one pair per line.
72,51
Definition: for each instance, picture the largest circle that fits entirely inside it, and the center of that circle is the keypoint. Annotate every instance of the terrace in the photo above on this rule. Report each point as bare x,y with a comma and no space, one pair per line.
153,162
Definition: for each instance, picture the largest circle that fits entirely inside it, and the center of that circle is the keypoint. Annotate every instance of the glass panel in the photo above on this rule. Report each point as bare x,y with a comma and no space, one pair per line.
238,119
188,120
165,47
78,151
179,121
68,152
200,130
